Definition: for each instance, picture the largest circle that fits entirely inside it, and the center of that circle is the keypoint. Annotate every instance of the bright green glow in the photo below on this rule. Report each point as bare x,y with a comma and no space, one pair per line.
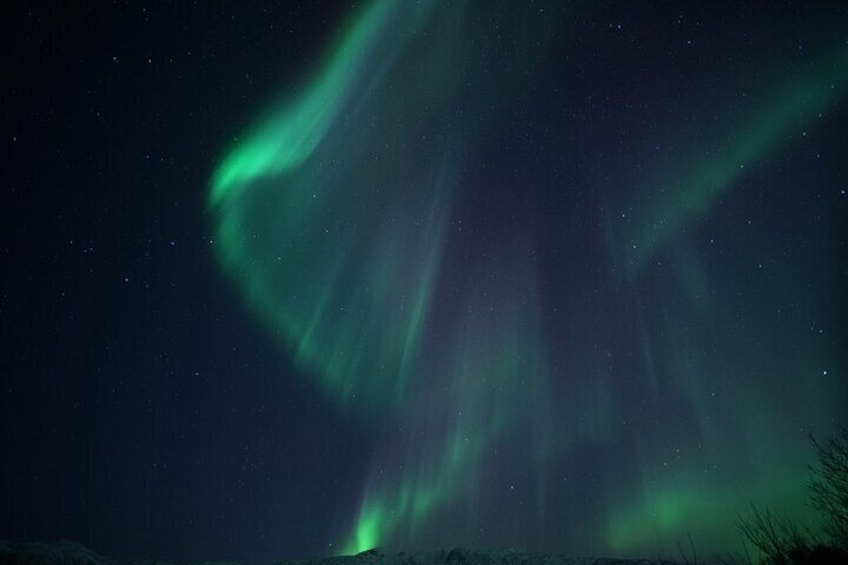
408,504
292,133
368,531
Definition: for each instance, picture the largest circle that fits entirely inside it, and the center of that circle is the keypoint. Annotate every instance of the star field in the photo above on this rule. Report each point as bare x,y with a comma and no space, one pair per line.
304,279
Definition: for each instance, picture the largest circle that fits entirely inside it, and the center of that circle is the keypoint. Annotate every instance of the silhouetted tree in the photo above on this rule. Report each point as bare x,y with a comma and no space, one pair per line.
775,536
782,542
829,488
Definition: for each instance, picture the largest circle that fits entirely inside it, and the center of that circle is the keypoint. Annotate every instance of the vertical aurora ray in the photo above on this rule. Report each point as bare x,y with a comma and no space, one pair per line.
333,217
492,380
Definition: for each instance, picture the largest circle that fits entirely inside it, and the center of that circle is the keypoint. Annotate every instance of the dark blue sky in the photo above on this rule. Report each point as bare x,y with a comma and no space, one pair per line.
647,218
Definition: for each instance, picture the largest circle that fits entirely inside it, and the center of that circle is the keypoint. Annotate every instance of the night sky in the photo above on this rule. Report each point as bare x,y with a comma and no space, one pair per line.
304,278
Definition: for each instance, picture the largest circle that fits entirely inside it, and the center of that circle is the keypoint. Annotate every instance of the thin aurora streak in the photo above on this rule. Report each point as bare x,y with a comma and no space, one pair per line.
336,218
773,121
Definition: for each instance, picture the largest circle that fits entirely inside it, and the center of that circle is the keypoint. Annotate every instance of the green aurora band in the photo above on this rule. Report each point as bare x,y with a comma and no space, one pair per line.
336,219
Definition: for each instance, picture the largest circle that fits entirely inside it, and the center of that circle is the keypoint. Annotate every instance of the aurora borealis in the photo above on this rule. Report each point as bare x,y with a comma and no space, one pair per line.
339,219
308,278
